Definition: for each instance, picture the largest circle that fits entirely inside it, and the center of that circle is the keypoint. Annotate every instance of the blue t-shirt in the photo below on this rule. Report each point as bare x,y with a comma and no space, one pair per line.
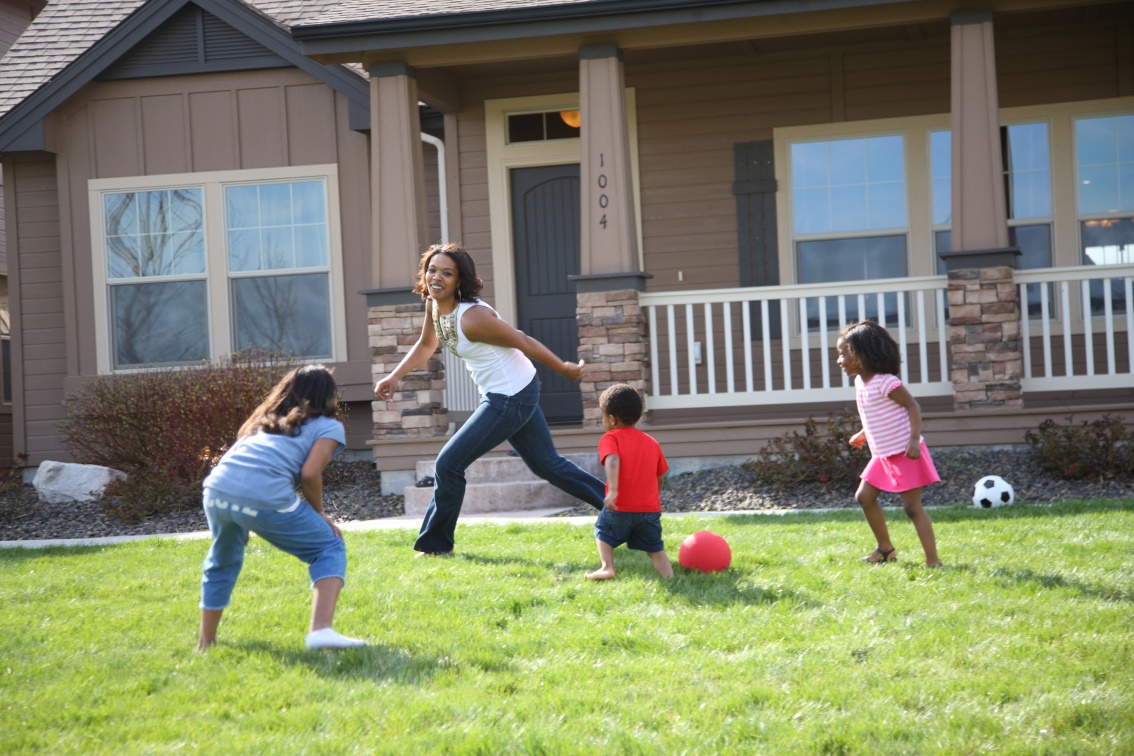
262,470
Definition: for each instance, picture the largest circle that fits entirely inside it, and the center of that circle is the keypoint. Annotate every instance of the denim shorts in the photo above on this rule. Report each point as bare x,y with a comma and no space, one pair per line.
640,531
297,530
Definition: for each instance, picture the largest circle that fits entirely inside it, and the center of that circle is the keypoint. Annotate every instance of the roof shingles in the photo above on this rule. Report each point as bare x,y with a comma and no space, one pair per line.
68,28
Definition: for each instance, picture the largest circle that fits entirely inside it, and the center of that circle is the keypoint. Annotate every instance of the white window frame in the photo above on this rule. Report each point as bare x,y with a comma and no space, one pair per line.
1080,216
218,278
915,144
502,157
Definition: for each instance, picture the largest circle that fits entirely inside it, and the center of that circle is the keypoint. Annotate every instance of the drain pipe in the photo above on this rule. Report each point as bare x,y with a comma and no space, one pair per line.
444,203
441,189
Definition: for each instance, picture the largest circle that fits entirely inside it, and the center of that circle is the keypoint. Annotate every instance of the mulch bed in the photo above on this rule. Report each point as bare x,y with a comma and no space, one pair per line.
353,492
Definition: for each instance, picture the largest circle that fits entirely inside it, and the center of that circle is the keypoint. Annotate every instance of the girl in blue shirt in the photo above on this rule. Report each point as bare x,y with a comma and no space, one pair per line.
283,447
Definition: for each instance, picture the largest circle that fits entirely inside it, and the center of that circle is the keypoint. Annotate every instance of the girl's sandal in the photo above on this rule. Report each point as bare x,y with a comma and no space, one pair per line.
879,556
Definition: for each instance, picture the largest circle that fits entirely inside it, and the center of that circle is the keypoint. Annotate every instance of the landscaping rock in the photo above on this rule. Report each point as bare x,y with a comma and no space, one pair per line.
65,482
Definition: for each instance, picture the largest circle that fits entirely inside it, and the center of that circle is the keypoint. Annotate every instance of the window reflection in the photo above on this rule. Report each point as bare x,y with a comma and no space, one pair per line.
859,259
1108,241
848,185
159,324
289,313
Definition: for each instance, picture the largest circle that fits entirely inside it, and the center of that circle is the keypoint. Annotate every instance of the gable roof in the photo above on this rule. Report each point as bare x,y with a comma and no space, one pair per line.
73,41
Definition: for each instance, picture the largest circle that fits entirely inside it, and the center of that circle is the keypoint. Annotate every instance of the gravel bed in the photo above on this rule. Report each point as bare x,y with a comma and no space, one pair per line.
353,492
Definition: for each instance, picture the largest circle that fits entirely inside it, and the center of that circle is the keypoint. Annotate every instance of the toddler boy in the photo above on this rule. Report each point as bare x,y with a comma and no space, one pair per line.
635,467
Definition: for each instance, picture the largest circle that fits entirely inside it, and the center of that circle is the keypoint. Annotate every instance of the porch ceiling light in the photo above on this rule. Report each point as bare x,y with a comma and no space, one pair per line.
572,118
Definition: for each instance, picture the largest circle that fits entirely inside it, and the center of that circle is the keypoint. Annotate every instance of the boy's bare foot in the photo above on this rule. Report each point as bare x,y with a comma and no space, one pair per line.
600,575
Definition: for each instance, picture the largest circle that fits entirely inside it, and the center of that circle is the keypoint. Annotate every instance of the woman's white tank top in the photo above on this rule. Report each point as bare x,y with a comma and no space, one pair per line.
495,369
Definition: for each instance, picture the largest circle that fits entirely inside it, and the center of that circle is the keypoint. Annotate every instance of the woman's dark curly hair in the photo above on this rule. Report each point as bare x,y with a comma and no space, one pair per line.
623,402
874,347
470,285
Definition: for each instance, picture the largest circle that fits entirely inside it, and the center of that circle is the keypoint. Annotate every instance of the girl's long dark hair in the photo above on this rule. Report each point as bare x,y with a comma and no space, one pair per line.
304,393
470,286
874,347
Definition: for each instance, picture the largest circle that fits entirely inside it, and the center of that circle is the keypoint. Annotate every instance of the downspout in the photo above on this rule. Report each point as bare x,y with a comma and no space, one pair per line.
443,202
441,189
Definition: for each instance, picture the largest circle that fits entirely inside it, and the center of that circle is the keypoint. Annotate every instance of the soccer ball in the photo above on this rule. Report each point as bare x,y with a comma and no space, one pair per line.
992,491
704,551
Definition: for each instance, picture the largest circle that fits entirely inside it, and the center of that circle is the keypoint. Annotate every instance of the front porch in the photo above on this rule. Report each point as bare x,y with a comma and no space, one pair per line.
725,370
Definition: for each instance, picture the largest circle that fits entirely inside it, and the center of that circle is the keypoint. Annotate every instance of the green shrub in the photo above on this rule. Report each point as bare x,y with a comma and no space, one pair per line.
166,428
813,456
1101,448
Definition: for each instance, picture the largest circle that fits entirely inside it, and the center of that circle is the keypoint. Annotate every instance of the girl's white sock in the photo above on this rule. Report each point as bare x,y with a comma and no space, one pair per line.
328,638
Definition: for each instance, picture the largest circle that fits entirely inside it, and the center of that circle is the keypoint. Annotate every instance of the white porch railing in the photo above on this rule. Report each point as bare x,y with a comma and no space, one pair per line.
1080,333
776,344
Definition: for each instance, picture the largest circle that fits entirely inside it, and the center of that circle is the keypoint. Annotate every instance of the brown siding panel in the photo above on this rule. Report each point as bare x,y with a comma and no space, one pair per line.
115,129
39,344
310,119
212,128
164,138
261,127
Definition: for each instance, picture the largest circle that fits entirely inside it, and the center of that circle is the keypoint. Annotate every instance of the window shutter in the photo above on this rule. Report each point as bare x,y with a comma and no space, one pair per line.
755,191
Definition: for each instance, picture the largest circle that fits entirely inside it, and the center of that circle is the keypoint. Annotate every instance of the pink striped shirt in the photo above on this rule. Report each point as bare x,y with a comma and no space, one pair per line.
887,423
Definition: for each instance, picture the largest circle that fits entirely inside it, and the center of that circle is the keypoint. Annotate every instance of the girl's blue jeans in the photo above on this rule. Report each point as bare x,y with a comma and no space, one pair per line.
300,532
518,420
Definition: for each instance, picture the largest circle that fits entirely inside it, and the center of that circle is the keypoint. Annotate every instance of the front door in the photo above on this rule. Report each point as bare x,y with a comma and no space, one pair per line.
545,232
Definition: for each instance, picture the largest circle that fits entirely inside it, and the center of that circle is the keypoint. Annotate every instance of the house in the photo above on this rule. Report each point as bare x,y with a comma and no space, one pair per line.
695,196
173,172
15,15
692,196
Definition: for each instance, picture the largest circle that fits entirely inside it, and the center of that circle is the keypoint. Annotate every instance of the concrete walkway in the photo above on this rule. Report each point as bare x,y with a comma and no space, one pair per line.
405,522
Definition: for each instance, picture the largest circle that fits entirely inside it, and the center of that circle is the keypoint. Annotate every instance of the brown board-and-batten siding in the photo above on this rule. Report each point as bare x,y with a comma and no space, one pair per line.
36,298
201,123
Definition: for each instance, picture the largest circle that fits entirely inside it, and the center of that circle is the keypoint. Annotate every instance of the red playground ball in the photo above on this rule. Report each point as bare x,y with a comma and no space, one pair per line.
704,551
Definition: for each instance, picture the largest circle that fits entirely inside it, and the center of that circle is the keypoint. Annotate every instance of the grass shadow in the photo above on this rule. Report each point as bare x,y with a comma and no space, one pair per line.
1049,581
369,663
956,513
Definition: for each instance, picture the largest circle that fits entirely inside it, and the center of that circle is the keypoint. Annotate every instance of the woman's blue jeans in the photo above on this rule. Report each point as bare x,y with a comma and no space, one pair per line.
519,421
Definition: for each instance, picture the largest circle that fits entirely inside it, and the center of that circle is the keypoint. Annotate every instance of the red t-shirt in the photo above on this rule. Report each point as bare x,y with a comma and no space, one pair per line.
640,464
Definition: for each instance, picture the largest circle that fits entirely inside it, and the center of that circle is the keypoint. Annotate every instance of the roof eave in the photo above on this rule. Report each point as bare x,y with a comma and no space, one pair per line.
583,18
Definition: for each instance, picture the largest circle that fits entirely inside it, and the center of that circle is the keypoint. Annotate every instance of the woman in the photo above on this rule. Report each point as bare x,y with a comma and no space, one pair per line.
500,360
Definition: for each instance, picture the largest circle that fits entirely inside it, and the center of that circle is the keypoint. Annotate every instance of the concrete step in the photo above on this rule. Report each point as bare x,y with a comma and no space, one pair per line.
501,484
509,469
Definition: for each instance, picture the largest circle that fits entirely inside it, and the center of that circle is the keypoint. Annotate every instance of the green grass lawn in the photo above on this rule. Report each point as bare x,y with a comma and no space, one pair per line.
1023,645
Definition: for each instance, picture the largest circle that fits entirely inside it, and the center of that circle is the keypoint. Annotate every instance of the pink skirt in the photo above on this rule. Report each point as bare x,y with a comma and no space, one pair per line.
898,473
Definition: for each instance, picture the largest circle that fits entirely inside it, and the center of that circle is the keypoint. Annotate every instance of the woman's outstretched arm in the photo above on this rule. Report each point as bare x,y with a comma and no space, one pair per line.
421,351
480,324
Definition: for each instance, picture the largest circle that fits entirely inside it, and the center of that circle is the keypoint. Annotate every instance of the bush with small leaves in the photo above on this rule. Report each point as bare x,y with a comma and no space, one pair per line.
813,456
166,428
1100,448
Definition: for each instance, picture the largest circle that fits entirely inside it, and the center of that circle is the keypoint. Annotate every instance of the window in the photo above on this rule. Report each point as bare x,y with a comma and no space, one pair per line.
1104,161
849,216
1027,187
155,269
540,127
208,264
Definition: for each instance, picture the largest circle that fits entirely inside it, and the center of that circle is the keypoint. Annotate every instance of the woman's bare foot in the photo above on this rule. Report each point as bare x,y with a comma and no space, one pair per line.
600,575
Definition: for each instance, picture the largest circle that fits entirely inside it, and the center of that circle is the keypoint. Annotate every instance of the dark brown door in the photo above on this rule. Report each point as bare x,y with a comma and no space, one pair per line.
545,232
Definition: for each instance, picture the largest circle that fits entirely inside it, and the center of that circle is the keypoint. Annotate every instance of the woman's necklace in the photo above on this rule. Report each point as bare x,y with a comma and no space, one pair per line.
446,327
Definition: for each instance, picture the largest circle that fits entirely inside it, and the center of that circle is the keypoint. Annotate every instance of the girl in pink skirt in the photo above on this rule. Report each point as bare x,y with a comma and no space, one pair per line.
891,425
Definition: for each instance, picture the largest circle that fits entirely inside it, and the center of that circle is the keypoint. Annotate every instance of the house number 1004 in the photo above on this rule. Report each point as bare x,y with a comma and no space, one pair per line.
603,200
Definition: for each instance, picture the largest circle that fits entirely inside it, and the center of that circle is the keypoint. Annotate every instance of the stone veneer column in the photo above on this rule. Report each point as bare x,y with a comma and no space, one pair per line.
986,354
418,409
612,337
